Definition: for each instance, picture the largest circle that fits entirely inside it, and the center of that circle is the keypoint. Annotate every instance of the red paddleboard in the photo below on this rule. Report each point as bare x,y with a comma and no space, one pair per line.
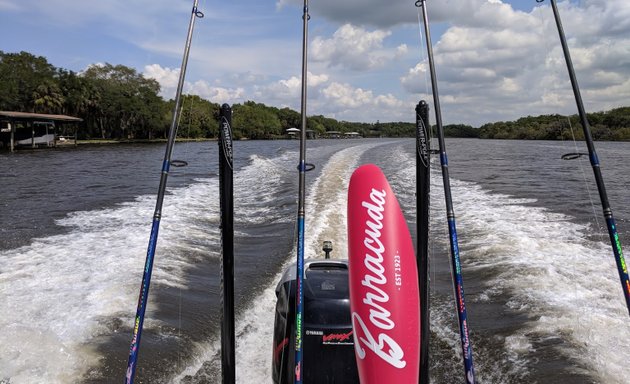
384,297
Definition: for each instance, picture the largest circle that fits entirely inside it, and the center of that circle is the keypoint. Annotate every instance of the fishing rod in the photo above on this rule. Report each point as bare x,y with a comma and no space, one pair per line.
458,281
148,266
423,182
299,276
599,180
226,188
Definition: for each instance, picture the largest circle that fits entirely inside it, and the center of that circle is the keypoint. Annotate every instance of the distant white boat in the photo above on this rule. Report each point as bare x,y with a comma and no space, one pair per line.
43,133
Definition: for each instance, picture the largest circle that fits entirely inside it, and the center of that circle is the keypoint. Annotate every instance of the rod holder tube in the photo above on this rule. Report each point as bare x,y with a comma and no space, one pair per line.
423,183
226,191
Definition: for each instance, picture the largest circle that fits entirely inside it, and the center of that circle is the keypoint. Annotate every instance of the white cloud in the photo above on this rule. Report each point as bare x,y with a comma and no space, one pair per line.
495,60
167,77
287,92
416,79
388,101
316,80
217,95
402,50
502,63
352,47
346,96
342,101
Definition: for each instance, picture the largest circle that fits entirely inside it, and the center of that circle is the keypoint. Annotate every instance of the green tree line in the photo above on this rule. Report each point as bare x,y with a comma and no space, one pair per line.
117,102
608,125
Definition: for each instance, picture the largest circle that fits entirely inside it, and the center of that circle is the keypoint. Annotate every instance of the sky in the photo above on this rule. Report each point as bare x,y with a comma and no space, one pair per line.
495,60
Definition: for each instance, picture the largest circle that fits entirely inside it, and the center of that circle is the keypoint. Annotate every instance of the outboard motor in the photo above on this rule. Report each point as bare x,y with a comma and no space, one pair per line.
328,344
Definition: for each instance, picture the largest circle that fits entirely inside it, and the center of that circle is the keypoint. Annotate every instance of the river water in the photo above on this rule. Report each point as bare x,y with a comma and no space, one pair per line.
542,290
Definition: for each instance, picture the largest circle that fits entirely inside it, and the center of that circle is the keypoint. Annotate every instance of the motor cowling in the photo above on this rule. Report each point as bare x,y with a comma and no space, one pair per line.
328,345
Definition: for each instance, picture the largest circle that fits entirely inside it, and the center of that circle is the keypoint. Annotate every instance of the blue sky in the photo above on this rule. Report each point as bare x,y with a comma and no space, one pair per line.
496,60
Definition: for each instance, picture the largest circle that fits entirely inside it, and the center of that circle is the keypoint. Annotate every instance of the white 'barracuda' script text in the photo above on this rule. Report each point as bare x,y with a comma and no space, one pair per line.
383,345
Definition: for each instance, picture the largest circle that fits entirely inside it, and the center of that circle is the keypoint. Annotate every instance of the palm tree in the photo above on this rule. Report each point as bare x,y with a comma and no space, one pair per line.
48,98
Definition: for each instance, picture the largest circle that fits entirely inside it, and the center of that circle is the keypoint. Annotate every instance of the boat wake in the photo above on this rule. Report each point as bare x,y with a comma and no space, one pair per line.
325,220
61,293
542,293
553,291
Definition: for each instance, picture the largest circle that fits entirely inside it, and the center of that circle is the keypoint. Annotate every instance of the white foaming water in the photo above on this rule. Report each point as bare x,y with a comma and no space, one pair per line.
257,185
327,203
325,210
549,270
546,266
58,292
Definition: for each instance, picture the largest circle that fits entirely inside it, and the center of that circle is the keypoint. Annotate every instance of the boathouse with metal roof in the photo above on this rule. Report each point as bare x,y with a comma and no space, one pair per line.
33,130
